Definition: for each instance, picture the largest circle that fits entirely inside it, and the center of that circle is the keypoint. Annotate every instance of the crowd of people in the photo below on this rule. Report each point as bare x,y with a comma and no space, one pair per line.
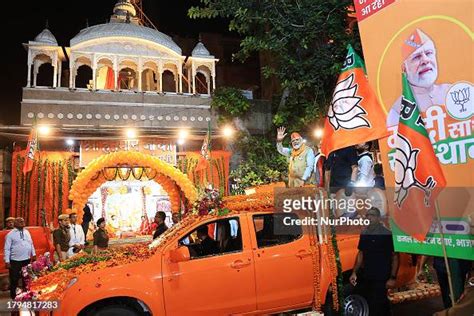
69,239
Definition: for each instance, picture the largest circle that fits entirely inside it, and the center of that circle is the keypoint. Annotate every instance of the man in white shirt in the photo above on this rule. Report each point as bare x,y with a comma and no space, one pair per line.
77,241
365,171
19,252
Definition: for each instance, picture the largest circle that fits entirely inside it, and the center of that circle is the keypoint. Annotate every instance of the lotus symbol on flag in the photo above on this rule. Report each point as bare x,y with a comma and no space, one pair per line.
405,167
344,111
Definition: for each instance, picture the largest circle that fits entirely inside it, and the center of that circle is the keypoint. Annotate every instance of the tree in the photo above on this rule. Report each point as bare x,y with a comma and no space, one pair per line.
231,105
307,39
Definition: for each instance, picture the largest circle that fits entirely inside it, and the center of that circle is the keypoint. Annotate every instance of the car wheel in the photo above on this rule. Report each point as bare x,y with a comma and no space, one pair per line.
116,310
352,304
355,305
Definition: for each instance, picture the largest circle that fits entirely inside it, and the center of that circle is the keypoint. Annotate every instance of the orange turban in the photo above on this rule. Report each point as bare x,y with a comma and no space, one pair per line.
295,135
413,42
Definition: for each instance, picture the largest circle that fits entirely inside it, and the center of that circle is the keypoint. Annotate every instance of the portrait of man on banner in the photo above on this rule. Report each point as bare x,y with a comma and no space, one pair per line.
421,67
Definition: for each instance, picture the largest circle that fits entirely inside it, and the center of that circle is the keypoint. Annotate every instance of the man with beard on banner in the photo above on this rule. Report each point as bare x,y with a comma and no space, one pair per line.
355,116
421,68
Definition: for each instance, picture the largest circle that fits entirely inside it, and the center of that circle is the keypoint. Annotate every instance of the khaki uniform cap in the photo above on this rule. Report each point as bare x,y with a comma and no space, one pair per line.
63,217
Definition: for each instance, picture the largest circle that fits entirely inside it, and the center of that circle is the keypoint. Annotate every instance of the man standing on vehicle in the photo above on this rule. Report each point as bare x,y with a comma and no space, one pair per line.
376,264
77,241
19,252
160,218
61,237
300,159
341,170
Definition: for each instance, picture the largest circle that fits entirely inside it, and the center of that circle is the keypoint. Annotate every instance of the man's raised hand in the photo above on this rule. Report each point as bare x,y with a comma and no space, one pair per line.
281,134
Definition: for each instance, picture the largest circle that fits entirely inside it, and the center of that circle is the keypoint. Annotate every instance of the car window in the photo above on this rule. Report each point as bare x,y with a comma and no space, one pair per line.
214,238
270,230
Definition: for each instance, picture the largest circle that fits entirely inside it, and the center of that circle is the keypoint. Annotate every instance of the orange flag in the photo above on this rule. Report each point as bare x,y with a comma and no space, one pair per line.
31,149
203,162
355,116
418,175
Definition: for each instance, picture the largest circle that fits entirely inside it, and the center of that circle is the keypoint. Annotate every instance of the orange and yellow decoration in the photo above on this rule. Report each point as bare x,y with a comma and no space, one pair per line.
173,181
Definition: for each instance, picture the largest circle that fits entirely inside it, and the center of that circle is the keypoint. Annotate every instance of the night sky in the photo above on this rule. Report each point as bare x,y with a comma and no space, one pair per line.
23,20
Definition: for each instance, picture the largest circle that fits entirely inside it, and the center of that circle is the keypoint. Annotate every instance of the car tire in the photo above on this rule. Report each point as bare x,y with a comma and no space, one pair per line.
352,304
116,310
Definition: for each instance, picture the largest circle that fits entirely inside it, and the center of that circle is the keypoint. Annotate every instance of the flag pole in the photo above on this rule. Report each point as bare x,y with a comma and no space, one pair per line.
445,256
210,152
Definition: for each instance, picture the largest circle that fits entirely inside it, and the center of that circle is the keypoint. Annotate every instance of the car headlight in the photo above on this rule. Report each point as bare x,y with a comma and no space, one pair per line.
71,283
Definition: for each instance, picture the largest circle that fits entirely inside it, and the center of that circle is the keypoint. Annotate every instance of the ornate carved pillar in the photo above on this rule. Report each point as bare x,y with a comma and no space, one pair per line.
29,64
35,72
116,73
180,74
60,70
71,72
160,76
94,77
94,72
194,77
188,73
140,69
28,80
213,75
54,63
176,82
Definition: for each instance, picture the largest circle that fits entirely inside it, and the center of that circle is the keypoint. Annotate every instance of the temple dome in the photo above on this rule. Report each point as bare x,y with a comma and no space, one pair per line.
125,30
201,51
124,7
46,37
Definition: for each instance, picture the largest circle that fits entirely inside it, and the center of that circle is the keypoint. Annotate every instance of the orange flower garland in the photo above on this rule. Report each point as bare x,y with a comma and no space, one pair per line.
52,285
257,202
172,180
333,272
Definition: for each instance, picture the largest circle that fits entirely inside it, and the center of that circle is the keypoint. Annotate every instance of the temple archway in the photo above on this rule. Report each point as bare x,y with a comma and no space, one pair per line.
45,75
84,77
168,81
106,167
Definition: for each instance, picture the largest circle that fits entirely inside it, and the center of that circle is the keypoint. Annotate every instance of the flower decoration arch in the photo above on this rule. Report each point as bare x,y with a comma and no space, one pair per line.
173,181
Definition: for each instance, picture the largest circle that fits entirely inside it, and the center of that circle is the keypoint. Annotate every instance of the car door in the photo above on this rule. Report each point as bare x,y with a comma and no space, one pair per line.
283,263
219,284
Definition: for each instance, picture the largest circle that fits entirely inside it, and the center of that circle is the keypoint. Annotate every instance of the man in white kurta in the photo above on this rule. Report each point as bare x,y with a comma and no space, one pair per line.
77,241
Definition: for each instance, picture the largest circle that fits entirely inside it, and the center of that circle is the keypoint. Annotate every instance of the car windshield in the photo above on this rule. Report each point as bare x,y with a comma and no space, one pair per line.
168,232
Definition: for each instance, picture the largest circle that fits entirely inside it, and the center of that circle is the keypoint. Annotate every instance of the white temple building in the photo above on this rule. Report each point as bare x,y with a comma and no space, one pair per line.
122,55
122,74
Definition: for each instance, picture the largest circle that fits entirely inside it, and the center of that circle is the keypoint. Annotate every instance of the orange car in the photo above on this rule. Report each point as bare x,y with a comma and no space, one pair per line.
245,263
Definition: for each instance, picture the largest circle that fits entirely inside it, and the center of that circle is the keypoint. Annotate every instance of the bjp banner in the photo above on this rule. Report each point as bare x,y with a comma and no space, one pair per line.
354,111
431,43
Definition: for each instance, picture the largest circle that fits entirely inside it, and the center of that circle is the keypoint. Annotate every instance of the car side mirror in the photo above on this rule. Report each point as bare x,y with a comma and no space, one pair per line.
180,254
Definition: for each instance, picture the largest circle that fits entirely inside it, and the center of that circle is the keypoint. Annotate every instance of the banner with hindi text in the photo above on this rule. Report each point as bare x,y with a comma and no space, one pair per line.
432,43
